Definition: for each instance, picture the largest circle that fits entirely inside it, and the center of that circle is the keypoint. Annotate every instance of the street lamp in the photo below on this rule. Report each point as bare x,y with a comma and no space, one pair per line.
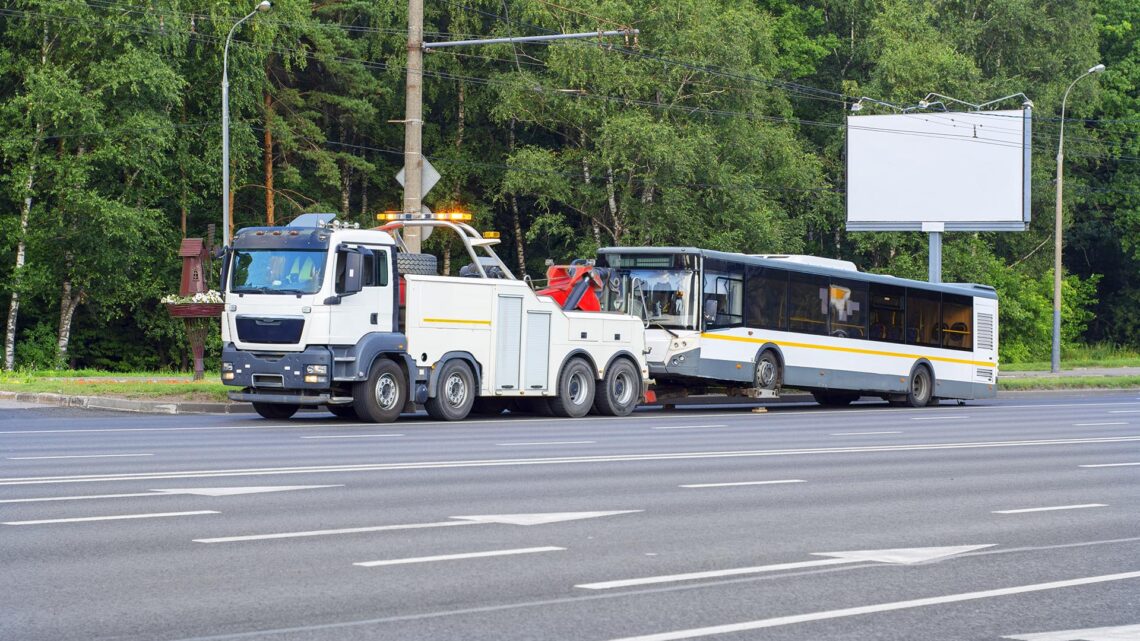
1057,230
262,7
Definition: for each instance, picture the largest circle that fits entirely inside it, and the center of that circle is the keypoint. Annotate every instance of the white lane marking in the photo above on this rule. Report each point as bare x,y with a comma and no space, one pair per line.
453,557
547,443
904,556
1115,633
38,458
685,427
613,458
200,491
1096,424
153,515
695,485
1124,411
811,412
881,607
1110,465
1050,509
861,433
355,436
504,519
939,418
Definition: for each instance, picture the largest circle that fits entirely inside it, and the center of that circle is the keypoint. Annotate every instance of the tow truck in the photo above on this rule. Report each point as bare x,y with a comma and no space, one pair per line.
321,313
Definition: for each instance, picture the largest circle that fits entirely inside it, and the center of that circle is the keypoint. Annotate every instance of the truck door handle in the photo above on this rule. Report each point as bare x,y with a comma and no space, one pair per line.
375,318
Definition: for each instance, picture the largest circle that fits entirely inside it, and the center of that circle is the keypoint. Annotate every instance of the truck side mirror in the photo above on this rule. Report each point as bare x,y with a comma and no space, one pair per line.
353,273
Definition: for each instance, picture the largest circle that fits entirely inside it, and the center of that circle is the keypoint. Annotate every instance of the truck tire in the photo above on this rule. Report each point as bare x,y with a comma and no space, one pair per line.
276,411
380,397
620,391
422,264
575,390
346,411
456,393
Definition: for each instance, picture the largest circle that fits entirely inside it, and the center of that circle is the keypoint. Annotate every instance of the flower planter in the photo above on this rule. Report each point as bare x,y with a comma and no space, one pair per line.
197,318
195,310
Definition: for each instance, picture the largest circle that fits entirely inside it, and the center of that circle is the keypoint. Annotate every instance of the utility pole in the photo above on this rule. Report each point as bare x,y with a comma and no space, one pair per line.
413,122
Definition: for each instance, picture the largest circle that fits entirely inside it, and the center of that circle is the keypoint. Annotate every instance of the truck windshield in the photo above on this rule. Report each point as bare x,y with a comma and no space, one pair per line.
661,297
277,271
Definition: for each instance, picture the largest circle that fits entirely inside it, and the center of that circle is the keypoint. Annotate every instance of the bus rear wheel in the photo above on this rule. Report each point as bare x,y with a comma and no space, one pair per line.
921,388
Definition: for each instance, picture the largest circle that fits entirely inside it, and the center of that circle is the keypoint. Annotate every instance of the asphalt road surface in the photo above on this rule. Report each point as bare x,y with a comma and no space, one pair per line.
1010,519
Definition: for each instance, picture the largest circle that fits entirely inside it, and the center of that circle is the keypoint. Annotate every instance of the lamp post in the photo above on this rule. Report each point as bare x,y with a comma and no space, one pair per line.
262,7
1057,229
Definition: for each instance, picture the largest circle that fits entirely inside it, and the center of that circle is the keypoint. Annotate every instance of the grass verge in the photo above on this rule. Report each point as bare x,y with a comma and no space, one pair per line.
1069,382
154,389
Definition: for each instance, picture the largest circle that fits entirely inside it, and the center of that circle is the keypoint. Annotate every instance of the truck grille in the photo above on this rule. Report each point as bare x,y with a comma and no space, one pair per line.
269,330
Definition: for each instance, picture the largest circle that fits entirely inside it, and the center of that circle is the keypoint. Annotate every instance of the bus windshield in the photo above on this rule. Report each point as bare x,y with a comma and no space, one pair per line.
277,271
661,297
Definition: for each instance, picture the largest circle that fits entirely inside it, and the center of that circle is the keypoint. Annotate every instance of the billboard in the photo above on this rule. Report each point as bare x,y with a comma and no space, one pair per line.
939,171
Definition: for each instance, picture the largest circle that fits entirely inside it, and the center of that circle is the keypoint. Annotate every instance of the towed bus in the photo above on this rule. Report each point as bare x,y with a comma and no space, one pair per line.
718,320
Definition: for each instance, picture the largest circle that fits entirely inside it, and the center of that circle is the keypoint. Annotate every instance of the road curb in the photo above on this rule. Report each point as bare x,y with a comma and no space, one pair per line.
126,404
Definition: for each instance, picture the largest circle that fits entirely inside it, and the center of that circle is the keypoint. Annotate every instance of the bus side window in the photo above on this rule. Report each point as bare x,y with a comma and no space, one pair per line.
807,303
848,301
923,318
957,313
767,294
886,316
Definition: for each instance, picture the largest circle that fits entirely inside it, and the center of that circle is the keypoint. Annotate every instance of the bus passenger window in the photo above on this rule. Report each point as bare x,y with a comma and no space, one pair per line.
807,303
767,291
923,318
886,317
848,309
957,314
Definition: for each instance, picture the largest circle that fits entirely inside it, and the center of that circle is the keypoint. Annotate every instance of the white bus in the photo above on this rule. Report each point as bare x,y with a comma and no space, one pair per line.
717,319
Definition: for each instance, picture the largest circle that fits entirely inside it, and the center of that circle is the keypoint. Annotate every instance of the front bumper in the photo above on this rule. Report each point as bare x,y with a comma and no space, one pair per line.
277,372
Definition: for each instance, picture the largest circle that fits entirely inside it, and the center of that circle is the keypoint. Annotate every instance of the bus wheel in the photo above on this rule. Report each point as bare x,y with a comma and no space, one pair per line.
346,411
380,397
768,371
921,387
575,390
456,393
275,411
620,390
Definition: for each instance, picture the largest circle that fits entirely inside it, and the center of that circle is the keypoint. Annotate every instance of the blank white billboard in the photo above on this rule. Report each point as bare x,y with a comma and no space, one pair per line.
969,171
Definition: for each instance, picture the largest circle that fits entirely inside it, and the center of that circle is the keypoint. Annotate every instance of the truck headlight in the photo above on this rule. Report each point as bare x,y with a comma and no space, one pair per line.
317,369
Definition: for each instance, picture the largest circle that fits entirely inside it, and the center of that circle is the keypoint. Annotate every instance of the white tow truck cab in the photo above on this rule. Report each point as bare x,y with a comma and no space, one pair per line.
320,313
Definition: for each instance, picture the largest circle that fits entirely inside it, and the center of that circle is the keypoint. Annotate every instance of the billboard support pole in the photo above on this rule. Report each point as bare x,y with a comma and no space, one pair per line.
935,231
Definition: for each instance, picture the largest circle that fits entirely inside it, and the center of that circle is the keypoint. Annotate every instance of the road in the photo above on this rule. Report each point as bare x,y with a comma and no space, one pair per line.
1016,518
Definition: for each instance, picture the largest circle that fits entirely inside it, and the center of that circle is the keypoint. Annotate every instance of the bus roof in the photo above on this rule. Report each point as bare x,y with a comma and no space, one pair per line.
965,289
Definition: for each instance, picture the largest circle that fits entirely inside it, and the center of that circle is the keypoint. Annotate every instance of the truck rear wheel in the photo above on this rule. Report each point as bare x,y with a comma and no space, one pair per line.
276,411
380,397
456,393
621,389
575,390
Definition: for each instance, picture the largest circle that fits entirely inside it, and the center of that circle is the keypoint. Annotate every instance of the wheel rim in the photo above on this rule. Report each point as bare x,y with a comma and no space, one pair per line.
918,386
387,391
622,390
766,372
577,388
455,390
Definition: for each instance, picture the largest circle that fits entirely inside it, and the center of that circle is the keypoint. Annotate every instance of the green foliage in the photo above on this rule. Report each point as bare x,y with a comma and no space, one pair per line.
720,125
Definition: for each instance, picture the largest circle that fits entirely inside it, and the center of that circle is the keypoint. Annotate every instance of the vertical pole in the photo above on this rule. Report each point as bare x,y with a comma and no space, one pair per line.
413,122
935,258
1056,361
225,152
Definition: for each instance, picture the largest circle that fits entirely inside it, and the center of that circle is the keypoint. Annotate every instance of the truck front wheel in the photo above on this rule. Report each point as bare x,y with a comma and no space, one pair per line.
380,398
275,411
456,393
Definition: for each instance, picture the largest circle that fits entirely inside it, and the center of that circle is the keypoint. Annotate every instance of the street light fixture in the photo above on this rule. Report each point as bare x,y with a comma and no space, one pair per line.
262,7
1057,230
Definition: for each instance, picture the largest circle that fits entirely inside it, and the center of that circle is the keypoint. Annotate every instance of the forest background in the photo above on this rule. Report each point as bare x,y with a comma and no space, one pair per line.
720,125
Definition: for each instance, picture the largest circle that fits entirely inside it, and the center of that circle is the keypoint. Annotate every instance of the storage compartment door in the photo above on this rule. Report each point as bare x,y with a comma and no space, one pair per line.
537,350
508,345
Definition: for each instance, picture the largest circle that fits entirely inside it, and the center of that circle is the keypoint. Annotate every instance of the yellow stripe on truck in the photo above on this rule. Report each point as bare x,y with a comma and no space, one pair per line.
851,350
461,321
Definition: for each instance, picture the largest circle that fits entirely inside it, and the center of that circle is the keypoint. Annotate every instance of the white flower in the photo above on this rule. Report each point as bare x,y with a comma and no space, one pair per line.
211,296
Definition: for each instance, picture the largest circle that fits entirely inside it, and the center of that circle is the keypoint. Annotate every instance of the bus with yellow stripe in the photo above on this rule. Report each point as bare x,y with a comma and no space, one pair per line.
718,320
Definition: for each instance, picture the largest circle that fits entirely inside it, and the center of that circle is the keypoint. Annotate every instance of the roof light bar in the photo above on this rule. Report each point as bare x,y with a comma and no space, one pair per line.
442,215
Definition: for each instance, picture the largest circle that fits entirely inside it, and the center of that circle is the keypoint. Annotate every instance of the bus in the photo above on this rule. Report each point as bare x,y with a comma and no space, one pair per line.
763,322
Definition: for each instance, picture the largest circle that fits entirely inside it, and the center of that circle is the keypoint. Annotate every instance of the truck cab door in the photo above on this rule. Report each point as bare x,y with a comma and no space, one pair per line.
371,308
